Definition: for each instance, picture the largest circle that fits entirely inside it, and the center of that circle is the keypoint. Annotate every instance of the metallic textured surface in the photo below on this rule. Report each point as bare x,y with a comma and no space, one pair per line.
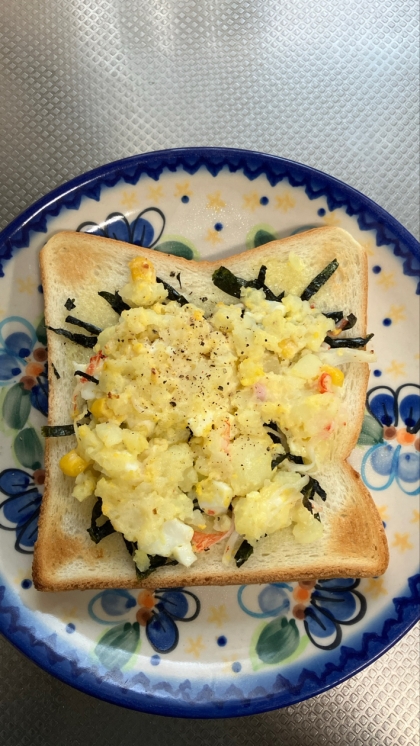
378,707
83,82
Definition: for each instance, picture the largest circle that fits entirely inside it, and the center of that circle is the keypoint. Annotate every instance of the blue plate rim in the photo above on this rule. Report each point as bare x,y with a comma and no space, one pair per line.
317,184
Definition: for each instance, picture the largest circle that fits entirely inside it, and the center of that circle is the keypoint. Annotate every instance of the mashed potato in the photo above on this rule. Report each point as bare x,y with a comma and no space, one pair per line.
191,415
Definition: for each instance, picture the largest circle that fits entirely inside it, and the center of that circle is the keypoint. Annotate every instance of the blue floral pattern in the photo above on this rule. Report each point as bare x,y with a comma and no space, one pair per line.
323,606
145,230
19,510
332,604
157,611
24,363
391,429
185,697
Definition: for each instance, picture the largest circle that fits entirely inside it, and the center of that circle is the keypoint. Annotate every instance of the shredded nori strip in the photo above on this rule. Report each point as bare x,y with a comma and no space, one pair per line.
275,438
57,431
225,280
319,490
308,493
278,460
319,280
97,533
70,304
336,315
243,553
79,339
131,545
295,459
356,342
172,293
281,438
83,324
56,373
260,285
350,321
196,505
261,275
281,457
86,375
155,562
115,301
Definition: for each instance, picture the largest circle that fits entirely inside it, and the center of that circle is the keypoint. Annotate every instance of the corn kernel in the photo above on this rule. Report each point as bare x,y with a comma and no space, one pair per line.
100,409
72,464
337,375
288,349
142,269
250,372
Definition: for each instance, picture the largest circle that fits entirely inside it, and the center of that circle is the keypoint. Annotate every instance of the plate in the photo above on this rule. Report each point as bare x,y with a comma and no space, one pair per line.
211,652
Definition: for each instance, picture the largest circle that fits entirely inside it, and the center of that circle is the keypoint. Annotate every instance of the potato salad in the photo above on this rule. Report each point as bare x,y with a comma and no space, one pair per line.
194,429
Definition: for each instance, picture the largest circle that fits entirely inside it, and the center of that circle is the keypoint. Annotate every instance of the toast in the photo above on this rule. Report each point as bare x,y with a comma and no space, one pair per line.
353,544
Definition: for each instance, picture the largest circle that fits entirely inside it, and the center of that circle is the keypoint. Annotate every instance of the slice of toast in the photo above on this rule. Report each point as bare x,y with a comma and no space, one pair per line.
78,266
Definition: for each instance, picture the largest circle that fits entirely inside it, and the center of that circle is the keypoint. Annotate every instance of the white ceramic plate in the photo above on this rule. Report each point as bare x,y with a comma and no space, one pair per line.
211,652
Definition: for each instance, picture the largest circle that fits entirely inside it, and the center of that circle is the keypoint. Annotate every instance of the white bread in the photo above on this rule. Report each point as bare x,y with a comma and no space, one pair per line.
77,265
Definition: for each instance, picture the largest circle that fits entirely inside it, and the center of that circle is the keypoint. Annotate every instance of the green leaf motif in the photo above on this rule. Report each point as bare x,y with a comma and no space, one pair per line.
16,407
41,332
371,432
176,248
261,237
28,449
278,640
118,644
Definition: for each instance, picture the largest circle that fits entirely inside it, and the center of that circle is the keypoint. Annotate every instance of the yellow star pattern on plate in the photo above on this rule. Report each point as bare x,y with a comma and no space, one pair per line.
21,575
129,200
26,286
376,588
396,369
2,312
183,189
213,236
69,612
251,201
416,516
285,201
155,193
195,646
417,356
332,219
382,510
401,541
396,313
218,615
215,202
227,664
387,279
368,246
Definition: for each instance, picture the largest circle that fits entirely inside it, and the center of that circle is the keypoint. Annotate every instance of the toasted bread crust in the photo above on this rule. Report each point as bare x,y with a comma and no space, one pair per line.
77,265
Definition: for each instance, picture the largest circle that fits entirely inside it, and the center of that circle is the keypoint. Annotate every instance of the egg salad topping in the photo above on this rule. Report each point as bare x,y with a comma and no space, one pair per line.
202,428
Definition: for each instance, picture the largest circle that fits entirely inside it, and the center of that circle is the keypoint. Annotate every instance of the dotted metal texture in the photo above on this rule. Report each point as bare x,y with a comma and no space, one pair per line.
379,707
333,85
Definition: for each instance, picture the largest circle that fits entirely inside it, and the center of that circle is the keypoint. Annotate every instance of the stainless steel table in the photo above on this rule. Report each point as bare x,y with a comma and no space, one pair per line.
332,85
